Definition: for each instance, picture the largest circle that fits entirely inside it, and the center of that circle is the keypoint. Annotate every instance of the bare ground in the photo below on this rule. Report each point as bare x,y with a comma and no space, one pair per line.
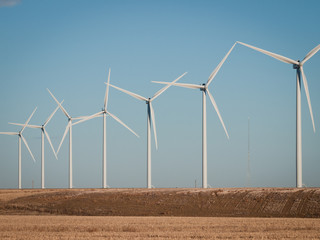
237,202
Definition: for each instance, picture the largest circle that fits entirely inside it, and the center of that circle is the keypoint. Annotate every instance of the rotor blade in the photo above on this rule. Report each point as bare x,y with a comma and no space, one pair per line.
217,110
25,143
306,89
130,93
79,118
63,110
215,71
166,87
122,123
276,56
9,133
49,140
107,92
185,85
88,118
310,54
29,126
64,135
49,118
24,126
154,125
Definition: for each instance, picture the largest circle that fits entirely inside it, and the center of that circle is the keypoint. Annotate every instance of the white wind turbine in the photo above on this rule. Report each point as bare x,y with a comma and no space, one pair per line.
68,129
19,134
204,88
150,118
299,71
104,113
43,133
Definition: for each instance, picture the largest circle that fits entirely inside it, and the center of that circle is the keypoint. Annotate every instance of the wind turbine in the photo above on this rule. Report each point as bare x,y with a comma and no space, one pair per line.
150,118
19,134
299,71
68,129
43,133
104,113
204,88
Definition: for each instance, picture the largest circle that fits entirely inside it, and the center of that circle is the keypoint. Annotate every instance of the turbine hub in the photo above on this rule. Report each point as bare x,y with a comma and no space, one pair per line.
295,66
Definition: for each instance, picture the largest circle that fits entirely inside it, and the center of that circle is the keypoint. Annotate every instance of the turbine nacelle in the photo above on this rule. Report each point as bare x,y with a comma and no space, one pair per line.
296,66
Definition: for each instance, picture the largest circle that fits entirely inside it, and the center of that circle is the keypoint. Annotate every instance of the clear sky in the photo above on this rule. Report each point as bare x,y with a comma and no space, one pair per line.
67,46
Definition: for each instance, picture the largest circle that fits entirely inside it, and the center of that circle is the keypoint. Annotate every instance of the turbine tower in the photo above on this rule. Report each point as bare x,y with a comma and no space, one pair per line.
43,133
68,129
298,66
19,134
205,91
150,117
104,113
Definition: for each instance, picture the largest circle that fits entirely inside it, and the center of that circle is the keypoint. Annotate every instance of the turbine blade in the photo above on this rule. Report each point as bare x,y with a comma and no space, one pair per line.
276,56
64,135
63,110
25,143
154,125
306,89
107,92
49,118
79,118
88,118
29,126
130,93
185,85
166,87
9,133
122,123
49,140
24,126
216,70
310,54
217,110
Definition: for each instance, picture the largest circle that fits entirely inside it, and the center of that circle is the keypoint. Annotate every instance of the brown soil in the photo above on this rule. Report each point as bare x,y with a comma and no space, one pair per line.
245,202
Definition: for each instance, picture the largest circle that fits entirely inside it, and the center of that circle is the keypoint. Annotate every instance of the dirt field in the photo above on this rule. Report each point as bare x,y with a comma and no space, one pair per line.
88,227
255,202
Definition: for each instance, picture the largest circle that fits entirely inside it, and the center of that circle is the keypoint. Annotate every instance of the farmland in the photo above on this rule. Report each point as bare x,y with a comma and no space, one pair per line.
160,213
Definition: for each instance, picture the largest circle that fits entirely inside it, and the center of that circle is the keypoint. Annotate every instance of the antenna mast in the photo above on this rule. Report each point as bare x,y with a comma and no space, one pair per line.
248,166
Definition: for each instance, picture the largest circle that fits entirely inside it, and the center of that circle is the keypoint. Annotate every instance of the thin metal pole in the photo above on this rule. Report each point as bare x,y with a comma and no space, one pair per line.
248,167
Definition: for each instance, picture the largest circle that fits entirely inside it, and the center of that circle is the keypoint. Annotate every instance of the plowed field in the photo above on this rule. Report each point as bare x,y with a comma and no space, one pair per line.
255,202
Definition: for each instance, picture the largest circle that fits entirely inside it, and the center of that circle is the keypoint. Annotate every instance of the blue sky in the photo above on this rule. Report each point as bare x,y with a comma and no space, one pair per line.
67,46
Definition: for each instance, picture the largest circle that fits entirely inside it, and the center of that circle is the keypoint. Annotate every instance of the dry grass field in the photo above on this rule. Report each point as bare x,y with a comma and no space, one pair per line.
97,227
